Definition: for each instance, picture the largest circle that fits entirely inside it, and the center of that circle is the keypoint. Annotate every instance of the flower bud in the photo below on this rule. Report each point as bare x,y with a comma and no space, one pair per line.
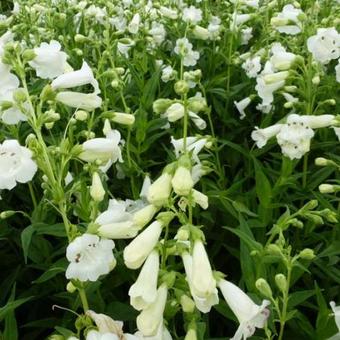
275,77
191,335
97,191
307,254
328,188
181,87
123,118
264,288
70,287
320,161
81,115
58,337
281,282
79,38
200,199
183,234
19,95
200,32
182,182
161,105
6,214
316,80
143,216
274,249
28,55
188,305
160,190
175,112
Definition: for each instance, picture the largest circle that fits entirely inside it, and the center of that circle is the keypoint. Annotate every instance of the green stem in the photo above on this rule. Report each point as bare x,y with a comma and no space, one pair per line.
34,200
285,302
83,298
305,170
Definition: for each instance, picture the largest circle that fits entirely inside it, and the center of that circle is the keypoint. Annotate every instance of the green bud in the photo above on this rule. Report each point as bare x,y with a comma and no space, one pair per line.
19,95
165,217
161,105
49,125
47,93
310,205
81,115
28,55
169,279
274,249
70,287
6,214
5,105
281,282
264,288
329,215
56,337
181,87
307,254
79,38
320,161
188,305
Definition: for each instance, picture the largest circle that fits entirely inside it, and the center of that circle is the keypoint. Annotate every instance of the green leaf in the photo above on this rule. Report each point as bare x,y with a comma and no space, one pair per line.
26,237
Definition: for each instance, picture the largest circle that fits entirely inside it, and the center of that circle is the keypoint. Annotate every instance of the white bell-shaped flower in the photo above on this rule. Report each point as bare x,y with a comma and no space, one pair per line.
261,136
288,20
16,164
325,45
249,314
139,249
49,61
78,100
160,190
144,291
89,257
149,320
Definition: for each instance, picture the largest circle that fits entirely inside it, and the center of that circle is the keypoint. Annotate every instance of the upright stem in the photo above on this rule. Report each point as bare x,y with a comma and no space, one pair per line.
83,299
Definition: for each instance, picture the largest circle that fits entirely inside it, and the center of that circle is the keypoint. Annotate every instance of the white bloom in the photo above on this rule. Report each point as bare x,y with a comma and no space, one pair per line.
124,46
134,24
12,115
336,311
106,149
16,164
288,20
168,73
49,61
157,32
78,100
76,78
89,257
97,13
249,314
200,32
182,182
8,81
4,39
261,136
160,190
246,35
168,12
238,20
161,334
204,303
192,15
242,105
337,72
252,66
325,45
184,49
203,282
193,145
200,198
144,291
139,249
174,112
214,27
280,59
197,120
150,318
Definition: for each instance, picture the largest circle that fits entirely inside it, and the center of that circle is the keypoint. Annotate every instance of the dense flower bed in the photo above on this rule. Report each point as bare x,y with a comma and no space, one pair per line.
169,170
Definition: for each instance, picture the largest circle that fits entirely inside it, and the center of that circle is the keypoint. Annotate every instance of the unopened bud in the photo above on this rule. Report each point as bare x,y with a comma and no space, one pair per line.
316,80
307,254
320,161
70,287
6,214
181,87
81,115
123,118
264,288
281,282
328,188
188,305
97,191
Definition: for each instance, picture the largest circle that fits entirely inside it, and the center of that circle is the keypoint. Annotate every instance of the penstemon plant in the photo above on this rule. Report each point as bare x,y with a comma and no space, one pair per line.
142,195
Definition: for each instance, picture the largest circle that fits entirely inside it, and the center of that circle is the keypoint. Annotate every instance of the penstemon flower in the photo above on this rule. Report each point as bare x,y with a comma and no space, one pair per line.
144,291
288,21
89,257
49,61
249,314
16,164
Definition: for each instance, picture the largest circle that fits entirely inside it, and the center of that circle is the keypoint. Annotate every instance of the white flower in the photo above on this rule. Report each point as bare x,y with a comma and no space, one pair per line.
12,115
325,45
197,120
238,20
192,15
4,39
200,198
150,318
246,35
160,190
157,32
139,249
49,61
168,12
337,72
161,334
174,112
16,164
336,311
124,46
184,49
214,27
261,136
95,335
78,100
204,303
288,20
117,221
168,73
193,145
8,81
134,24
281,60
76,78
144,291
106,149
182,182
242,105
249,314
89,257
252,66
203,282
